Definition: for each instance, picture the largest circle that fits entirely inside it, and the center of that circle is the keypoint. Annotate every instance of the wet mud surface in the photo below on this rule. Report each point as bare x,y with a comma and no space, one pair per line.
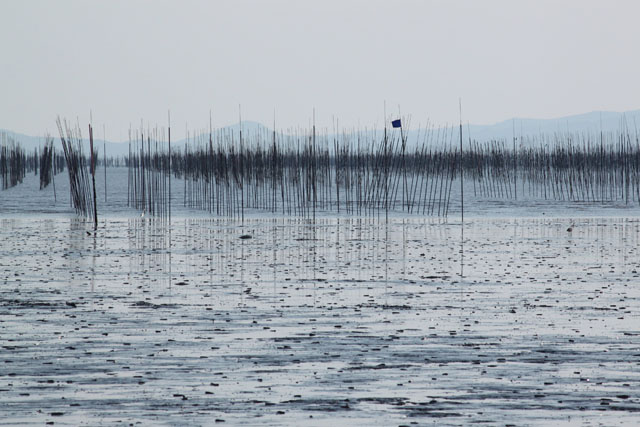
343,322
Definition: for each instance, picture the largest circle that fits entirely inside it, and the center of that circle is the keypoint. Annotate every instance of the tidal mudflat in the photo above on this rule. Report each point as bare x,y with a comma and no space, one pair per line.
341,321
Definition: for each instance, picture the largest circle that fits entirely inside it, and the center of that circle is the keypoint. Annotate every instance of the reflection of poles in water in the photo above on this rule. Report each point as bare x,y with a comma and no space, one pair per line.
275,258
242,271
314,248
93,264
338,258
169,247
462,252
386,262
359,246
404,249
461,267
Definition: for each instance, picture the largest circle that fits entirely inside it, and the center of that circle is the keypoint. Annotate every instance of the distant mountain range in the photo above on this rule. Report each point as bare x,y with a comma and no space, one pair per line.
589,123
30,143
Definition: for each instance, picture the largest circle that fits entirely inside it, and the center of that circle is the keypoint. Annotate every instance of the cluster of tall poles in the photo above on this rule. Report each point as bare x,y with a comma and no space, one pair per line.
305,172
562,167
13,162
301,173
81,182
149,172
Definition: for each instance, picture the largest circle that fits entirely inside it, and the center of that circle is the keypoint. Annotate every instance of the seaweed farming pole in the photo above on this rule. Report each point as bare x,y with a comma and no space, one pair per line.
184,165
169,135
461,168
273,166
515,162
241,165
93,179
386,168
129,166
313,165
104,160
209,168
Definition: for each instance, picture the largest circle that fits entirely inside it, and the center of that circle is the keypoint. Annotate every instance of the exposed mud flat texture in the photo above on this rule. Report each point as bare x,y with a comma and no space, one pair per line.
341,322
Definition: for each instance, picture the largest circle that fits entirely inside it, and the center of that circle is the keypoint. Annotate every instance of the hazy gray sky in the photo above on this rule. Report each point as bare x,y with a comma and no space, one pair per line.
132,60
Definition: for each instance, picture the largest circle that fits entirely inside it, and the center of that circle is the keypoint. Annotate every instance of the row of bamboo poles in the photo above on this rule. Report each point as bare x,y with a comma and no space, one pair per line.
585,168
365,173
300,174
15,163
303,173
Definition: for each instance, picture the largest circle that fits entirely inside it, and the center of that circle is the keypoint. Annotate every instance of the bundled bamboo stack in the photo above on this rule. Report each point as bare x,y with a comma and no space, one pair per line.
13,162
47,163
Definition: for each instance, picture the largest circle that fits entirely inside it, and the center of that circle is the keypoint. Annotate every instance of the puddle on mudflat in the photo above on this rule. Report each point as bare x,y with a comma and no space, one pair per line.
343,321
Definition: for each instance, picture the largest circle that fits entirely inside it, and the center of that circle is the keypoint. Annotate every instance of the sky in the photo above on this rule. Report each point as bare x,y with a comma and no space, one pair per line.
127,62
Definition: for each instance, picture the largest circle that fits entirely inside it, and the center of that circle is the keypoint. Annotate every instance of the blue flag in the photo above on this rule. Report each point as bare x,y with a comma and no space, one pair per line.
396,123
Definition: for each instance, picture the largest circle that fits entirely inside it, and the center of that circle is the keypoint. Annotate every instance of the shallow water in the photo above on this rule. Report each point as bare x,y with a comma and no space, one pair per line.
342,321
28,200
